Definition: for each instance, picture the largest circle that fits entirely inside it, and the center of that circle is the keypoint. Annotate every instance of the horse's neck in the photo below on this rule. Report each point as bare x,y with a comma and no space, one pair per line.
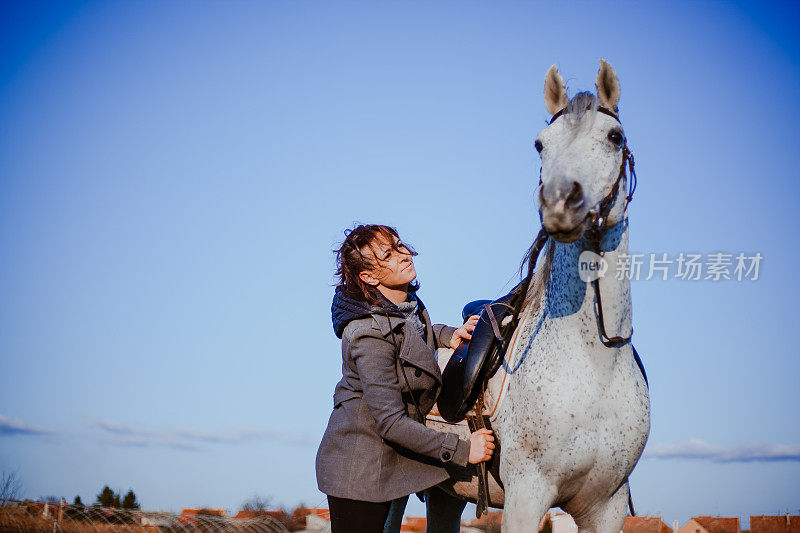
566,313
572,300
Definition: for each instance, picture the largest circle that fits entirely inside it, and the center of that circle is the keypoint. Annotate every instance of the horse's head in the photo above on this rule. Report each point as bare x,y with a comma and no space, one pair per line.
583,150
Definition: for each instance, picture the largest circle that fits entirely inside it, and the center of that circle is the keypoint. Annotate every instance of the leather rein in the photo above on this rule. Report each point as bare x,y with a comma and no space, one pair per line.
597,226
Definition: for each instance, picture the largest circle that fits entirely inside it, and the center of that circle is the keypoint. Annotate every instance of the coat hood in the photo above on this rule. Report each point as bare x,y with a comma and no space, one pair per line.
344,309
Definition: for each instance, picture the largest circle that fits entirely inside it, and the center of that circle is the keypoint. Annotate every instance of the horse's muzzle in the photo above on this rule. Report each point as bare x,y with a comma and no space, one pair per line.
563,210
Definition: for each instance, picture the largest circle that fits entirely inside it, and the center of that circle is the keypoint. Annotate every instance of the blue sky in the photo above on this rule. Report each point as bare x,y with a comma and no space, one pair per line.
174,176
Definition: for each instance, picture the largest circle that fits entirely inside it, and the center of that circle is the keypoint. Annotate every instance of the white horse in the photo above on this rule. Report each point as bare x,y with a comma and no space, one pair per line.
571,411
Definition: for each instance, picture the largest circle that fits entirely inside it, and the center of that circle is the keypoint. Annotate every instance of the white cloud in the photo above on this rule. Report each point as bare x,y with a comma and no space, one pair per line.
741,453
13,426
187,438
116,428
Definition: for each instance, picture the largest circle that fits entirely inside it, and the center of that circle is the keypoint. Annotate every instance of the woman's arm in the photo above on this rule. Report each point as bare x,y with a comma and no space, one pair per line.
443,334
450,337
374,358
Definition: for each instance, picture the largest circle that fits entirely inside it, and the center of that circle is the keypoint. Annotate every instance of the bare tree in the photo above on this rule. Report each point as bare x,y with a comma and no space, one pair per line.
257,503
10,486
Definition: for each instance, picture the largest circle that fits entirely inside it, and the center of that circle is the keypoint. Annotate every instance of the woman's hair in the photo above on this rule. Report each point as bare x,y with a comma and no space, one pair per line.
355,256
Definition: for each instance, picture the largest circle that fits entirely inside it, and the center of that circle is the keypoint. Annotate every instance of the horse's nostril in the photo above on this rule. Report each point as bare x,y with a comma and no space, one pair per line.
542,203
575,197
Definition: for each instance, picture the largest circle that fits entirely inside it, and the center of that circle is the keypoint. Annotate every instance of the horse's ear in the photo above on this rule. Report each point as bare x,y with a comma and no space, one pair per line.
555,93
607,85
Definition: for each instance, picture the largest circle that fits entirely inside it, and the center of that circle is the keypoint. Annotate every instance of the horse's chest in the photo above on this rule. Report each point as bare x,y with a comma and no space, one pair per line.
578,408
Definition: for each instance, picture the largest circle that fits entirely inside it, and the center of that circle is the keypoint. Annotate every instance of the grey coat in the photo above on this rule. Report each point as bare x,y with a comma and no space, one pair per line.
376,447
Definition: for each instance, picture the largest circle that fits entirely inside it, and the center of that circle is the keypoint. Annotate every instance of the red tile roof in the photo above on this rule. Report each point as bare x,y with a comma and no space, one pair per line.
249,515
324,514
645,524
492,518
718,524
207,512
414,523
775,524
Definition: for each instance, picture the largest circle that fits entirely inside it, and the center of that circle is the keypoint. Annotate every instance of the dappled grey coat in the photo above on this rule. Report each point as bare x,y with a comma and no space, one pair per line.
376,447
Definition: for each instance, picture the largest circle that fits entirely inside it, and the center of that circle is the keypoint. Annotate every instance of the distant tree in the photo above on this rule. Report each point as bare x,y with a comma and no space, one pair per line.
129,501
116,503
257,503
49,499
10,486
107,498
297,520
294,521
77,502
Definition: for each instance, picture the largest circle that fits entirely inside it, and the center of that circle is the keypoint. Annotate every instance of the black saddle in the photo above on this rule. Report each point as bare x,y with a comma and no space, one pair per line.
474,362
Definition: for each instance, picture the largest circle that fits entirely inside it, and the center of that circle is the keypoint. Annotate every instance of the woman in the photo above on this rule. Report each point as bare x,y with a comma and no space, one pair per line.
376,448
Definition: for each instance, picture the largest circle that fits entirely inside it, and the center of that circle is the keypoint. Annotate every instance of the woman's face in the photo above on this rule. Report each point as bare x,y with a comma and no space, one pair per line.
394,266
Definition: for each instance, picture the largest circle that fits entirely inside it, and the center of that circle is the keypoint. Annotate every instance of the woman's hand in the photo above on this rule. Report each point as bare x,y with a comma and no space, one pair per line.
464,332
481,446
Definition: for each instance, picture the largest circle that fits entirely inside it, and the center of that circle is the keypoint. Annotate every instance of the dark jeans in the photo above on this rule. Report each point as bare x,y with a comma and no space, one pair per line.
356,516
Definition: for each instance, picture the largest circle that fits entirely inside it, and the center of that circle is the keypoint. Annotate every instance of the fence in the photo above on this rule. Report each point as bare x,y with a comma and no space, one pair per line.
38,517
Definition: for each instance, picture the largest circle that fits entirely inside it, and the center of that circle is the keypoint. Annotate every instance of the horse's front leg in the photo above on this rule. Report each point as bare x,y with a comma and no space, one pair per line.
608,517
528,497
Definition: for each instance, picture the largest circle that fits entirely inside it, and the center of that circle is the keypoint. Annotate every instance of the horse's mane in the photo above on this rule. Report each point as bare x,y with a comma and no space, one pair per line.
582,109
580,106
538,283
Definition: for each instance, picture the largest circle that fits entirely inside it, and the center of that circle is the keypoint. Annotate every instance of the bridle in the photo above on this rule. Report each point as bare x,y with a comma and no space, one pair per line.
599,214
597,226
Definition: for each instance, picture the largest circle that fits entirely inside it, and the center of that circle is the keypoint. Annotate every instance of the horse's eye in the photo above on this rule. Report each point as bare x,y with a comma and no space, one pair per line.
615,137
538,145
